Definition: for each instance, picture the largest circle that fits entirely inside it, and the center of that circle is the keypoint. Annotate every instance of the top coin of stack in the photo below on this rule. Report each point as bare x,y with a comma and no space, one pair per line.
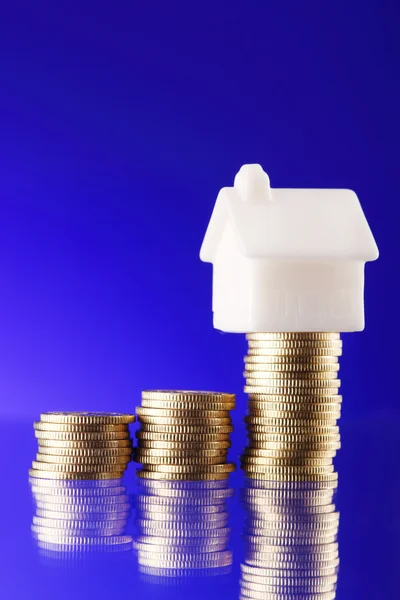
77,445
293,407
184,435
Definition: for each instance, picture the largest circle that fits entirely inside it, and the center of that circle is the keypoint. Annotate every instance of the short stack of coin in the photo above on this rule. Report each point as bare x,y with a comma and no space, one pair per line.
291,548
78,517
184,435
182,528
293,407
82,445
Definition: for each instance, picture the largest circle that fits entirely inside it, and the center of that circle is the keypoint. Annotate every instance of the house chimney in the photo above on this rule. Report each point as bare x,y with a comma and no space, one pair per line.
252,184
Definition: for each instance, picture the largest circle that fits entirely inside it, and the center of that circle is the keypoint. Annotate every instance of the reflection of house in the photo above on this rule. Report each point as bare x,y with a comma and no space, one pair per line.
287,259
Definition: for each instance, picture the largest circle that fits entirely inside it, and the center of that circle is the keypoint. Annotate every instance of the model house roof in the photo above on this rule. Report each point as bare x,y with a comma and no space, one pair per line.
296,224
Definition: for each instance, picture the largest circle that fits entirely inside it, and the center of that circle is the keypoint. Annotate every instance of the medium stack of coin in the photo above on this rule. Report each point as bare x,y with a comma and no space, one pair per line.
184,435
79,517
293,407
82,445
182,528
291,549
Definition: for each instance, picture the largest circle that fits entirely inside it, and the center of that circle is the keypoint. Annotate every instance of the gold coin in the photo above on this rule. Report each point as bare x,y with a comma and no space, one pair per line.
290,377
293,368
291,383
41,474
187,406
293,421
84,444
175,453
290,412
202,414
72,427
89,453
284,453
296,437
294,335
187,396
160,460
184,422
292,430
77,468
79,460
294,353
301,446
198,476
187,428
218,468
300,414
295,344
182,445
309,392
87,418
82,436
304,462
316,397
182,437
290,359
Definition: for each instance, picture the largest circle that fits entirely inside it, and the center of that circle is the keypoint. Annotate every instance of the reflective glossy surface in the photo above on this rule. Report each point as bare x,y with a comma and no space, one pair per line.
235,539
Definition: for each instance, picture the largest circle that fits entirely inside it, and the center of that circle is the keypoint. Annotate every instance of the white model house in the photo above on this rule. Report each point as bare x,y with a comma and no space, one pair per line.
287,259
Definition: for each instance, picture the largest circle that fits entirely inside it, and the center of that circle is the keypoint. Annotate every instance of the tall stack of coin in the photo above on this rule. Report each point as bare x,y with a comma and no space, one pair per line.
293,406
82,445
291,541
182,528
76,517
184,435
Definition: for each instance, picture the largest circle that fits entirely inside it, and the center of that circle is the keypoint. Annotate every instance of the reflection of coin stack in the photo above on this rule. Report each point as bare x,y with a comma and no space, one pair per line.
293,406
184,435
291,548
75,517
82,445
182,528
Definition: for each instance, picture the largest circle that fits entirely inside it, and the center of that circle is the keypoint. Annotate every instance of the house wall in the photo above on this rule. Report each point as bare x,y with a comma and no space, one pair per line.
232,277
306,296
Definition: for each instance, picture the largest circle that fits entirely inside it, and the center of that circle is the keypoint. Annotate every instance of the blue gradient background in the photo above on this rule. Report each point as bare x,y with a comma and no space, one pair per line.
119,124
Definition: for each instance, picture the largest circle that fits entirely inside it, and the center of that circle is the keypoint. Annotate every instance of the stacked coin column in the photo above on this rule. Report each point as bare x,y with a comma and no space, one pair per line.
184,435
293,406
82,445
291,549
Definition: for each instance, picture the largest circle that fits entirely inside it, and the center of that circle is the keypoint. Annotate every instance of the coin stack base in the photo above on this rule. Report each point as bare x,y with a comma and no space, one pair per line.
86,446
184,435
293,406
